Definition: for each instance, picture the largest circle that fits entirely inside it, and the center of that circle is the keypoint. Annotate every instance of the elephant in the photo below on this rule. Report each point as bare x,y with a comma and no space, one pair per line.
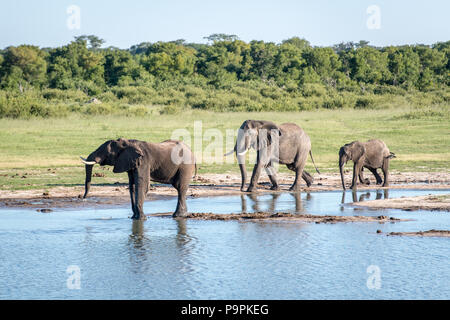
372,155
246,139
286,144
169,162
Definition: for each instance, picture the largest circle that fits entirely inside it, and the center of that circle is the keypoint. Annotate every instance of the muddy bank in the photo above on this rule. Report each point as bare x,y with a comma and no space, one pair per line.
430,202
203,185
429,233
283,216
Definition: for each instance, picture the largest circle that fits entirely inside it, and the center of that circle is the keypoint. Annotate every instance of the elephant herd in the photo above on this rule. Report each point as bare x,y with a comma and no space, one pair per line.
172,162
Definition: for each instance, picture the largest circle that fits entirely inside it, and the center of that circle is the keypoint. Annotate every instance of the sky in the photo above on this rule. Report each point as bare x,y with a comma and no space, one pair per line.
47,23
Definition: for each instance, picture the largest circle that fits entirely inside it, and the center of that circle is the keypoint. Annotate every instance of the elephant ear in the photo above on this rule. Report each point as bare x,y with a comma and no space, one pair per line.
128,159
358,151
272,132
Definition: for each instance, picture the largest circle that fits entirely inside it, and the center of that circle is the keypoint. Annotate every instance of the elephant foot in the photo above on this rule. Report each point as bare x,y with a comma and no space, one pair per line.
353,187
251,189
386,184
179,214
141,217
275,188
294,188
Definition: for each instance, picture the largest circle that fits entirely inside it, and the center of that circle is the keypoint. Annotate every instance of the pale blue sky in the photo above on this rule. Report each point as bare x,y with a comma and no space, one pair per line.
322,22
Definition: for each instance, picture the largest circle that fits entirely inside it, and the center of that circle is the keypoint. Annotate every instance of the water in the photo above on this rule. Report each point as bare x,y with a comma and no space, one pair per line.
164,258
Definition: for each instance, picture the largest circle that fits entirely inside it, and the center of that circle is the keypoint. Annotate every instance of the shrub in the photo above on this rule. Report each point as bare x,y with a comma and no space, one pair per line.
69,95
313,90
365,102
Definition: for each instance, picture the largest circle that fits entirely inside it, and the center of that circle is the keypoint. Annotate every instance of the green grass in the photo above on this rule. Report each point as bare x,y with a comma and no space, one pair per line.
43,153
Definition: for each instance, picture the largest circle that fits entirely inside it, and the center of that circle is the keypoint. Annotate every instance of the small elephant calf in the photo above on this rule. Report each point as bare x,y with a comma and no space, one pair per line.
372,155
170,162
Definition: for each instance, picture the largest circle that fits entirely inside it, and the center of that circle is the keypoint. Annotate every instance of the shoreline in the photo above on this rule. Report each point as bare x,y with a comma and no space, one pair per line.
207,185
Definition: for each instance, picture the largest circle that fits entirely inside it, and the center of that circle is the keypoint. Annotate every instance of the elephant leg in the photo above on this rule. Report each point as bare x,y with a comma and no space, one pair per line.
255,176
181,184
296,185
141,179
270,170
356,171
354,195
385,169
308,178
361,177
132,193
299,165
377,176
181,209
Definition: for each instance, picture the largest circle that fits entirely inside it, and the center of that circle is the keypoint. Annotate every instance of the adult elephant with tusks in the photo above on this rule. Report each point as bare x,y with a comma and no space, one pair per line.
246,139
285,144
373,154
169,162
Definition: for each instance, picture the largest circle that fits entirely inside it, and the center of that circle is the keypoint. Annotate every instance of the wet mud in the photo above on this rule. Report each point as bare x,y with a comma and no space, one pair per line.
429,233
280,216
204,185
430,203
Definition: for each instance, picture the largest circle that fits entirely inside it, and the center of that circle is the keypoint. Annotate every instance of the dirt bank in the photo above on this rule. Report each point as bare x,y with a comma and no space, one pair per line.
430,202
283,216
429,233
203,185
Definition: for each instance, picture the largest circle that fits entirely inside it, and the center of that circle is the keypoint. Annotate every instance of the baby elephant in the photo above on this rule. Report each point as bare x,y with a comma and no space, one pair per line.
166,162
372,155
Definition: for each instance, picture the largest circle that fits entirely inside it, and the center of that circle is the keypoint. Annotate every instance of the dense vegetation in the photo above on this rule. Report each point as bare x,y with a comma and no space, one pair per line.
226,74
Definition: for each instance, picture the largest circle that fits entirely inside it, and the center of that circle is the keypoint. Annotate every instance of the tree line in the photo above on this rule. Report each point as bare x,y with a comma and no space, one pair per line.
84,65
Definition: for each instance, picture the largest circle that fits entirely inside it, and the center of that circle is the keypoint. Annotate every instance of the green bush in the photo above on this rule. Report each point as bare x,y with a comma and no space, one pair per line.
65,95
365,102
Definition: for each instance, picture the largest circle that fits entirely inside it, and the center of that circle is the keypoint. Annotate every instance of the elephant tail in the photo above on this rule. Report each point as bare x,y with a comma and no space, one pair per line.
391,155
195,174
312,159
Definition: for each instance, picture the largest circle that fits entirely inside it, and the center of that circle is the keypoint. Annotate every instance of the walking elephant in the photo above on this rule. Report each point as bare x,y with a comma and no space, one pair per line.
246,139
169,162
372,155
286,144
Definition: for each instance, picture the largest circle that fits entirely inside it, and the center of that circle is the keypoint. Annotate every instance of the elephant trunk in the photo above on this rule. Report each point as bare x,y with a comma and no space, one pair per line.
241,148
241,161
341,169
87,183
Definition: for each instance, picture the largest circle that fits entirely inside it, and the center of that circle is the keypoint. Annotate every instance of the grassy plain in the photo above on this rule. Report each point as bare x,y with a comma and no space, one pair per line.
43,153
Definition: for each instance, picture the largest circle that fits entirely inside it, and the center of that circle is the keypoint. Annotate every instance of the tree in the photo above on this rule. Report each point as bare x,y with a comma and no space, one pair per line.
121,66
370,66
225,61
140,48
263,55
289,62
221,37
166,59
94,41
74,66
301,44
325,63
23,64
404,66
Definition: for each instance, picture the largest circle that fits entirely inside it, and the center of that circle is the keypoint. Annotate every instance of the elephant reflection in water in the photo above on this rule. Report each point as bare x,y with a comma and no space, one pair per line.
366,196
256,203
142,249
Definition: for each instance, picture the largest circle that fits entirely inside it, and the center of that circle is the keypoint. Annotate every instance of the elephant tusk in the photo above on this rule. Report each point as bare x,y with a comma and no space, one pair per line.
85,161
242,153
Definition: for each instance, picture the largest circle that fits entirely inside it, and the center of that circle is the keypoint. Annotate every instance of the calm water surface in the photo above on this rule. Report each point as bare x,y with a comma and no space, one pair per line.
164,258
